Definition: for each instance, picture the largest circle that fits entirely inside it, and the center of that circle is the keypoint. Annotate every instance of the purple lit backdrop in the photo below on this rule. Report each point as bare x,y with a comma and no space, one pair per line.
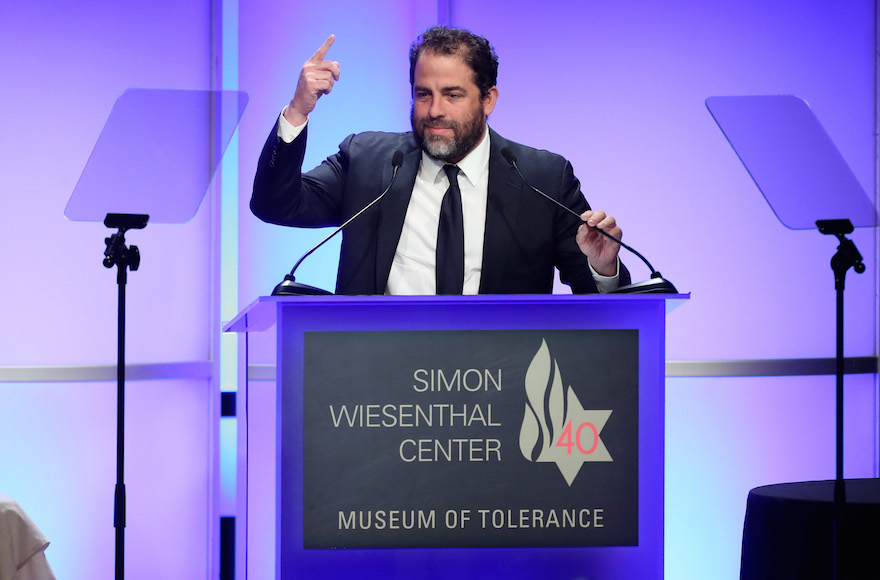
617,88
63,65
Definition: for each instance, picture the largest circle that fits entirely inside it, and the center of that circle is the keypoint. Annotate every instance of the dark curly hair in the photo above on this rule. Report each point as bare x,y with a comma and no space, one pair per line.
475,51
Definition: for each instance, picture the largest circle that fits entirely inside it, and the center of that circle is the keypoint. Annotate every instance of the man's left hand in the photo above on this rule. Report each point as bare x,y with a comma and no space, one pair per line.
601,251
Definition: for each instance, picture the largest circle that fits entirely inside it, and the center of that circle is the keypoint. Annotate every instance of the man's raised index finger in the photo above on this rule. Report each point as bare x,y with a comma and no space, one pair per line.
322,52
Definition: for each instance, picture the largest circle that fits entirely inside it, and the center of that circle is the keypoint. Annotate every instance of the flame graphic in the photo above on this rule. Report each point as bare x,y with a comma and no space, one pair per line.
543,420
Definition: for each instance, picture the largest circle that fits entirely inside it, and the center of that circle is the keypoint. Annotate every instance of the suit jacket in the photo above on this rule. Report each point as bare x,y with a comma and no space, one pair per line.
526,235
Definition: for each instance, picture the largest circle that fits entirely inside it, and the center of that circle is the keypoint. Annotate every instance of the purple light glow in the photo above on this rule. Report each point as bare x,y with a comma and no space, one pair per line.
618,88
59,462
63,65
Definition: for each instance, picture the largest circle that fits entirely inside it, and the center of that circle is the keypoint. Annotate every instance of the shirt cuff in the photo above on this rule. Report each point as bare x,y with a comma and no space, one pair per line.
605,284
286,131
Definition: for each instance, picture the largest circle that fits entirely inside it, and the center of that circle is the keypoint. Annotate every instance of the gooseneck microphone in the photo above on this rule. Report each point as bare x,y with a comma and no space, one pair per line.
656,285
289,286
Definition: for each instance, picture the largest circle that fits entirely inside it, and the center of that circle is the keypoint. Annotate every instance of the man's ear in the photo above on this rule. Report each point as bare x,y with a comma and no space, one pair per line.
489,101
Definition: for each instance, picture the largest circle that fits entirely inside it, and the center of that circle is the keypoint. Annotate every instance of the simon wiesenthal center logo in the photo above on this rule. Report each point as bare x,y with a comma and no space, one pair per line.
417,439
556,428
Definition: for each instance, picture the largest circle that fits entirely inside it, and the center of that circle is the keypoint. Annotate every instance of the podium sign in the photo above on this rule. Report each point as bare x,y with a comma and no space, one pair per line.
479,436
471,438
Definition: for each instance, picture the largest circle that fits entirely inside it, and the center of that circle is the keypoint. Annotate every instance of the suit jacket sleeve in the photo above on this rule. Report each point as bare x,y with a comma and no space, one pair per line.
571,264
548,231
283,195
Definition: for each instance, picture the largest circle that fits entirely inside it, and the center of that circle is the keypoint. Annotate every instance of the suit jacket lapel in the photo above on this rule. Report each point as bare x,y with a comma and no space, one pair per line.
501,212
393,211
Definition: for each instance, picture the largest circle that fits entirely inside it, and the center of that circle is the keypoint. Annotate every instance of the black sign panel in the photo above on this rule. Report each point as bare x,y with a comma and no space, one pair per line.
471,438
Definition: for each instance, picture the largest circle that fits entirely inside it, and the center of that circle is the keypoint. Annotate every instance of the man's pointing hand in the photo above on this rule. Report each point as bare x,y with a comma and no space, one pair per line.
315,79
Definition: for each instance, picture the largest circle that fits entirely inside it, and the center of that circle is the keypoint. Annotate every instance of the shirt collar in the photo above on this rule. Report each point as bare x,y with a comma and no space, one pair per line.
472,166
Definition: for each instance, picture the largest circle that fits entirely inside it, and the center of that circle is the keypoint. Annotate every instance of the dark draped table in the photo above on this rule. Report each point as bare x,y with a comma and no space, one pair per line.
789,531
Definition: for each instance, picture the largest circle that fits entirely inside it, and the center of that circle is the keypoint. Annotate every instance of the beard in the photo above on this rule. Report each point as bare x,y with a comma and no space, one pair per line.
465,136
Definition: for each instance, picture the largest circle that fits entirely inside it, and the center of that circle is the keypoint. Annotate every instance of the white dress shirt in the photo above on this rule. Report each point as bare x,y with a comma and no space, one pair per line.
414,266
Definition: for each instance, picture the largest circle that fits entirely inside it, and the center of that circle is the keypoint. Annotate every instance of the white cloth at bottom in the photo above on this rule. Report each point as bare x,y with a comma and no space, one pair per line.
22,545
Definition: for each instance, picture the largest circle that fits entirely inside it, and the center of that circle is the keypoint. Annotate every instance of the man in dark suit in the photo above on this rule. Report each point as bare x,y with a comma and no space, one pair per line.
506,238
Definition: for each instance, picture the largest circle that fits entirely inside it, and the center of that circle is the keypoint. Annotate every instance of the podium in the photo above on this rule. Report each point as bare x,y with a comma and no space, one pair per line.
468,436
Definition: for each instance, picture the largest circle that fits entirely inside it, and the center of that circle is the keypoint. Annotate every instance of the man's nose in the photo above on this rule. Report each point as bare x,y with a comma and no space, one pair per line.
436,110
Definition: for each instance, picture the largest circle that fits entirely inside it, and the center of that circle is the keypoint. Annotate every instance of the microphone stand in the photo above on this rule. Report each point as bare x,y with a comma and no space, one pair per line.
289,286
847,257
655,285
117,254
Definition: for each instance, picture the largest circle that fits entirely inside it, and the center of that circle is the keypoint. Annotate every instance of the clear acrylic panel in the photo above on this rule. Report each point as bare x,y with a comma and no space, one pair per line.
792,160
156,154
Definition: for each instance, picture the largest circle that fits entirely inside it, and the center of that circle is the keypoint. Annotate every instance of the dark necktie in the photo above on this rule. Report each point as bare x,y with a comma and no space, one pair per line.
450,238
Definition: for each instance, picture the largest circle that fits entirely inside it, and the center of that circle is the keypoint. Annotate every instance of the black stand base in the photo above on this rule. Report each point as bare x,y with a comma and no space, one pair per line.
290,287
652,286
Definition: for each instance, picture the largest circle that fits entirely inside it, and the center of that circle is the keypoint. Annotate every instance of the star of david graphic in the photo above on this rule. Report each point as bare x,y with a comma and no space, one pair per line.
556,428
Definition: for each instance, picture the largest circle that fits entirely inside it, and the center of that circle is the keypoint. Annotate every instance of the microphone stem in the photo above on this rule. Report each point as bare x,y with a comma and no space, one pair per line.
348,221
654,273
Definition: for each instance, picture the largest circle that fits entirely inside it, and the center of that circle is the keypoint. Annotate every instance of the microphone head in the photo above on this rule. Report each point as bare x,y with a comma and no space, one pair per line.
397,158
508,155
